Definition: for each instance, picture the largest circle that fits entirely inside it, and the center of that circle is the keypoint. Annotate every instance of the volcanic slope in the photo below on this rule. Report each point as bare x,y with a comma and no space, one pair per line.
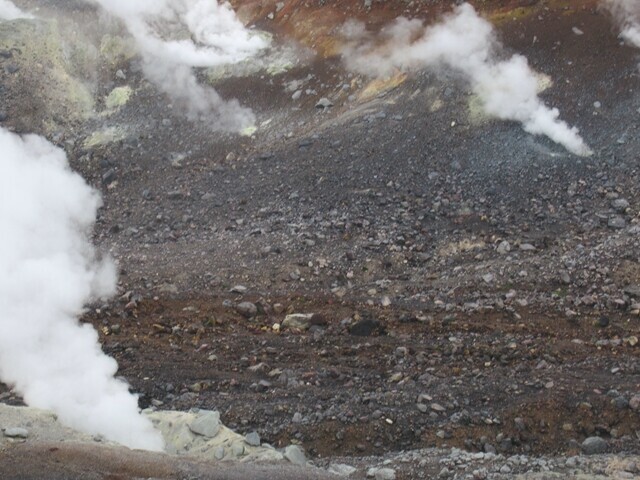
473,285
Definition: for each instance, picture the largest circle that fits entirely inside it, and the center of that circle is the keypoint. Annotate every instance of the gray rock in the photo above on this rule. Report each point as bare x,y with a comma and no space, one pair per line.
527,247
207,424
218,453
253,439
239,289
324,103
301,321
620,205
616,222
634,403
295,455
247,309
386,474
594,445
488,448
16,432
504,247
109,176
381,473
620,402
632,290
341,470
237,450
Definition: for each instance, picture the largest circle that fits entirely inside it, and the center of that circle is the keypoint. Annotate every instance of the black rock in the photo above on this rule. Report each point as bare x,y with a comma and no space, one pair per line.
366,328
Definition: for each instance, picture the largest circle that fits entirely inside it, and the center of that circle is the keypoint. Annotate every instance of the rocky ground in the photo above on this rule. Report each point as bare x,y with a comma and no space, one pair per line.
469,295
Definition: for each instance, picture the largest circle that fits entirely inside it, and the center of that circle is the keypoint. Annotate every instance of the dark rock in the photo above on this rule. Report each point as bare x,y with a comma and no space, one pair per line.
247,309
366,328
109,177
594,445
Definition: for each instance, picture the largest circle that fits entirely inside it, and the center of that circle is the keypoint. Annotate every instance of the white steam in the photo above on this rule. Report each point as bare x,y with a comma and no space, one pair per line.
627,15
175,35
48,271
8,11
466,43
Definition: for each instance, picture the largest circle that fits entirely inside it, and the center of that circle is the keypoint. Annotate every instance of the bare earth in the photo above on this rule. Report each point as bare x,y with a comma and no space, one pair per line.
388,217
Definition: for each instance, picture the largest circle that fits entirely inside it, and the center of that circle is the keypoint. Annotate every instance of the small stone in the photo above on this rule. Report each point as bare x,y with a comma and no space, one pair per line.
239,289
324,103
341,470
300,321
504,247
488,277
366,327
237,450
527,247
620,403
207,424
218,453
620,205
616,222
247,309
436,407
109,177
16,432
505,469
385,474
634,403
253,439
488,448
295,455
594,445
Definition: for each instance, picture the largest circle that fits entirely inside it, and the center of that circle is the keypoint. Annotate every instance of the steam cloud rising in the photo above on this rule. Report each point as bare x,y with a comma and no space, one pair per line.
49,271
466,43
8,11
175,35
627,14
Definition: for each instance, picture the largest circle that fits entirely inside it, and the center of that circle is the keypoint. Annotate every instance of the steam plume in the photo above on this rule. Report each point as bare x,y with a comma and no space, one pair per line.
48,271
466,43
8,11
627,15
175,35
